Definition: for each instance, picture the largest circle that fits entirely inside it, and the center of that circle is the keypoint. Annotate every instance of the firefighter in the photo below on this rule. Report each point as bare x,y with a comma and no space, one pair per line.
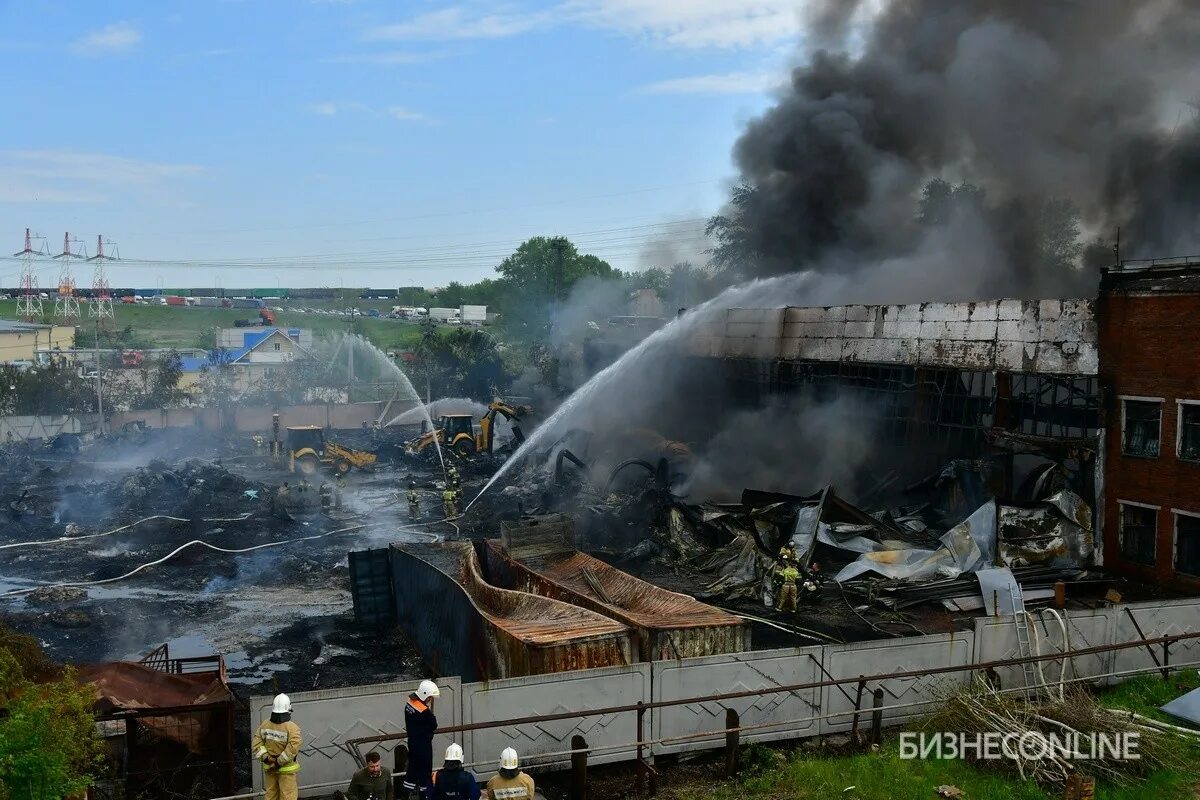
510,783
276,744
452,782
449,507
326,492
420,724
414,501
787,575
452,478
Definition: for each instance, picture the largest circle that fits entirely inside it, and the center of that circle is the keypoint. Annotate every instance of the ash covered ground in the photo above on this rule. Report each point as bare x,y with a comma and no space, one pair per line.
281,609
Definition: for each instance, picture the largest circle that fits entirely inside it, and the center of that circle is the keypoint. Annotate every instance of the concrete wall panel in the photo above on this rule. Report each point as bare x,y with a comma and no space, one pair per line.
1155,619
696,677
550,694
331,716
996,639
891,656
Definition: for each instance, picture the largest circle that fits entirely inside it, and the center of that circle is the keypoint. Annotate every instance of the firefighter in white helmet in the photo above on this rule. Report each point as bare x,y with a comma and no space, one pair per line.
452,782
510,783
420,724
276,744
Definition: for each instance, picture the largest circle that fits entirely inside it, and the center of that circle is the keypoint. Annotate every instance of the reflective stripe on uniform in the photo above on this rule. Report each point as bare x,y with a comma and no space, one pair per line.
510,792
271,734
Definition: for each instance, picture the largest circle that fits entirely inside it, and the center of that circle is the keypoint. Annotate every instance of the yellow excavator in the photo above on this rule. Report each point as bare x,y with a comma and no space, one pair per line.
308,452
456,432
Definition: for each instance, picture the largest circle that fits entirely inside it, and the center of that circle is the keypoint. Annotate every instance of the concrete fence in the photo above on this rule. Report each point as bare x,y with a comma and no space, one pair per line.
20,428
333,716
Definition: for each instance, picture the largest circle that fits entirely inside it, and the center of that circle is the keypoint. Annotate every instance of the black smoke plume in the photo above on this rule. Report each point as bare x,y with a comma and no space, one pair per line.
1075,112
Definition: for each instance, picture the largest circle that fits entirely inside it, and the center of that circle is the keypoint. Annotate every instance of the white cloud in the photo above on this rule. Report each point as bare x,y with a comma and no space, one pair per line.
68,176
115,38
673,23
402,113
395,112
92,167
697,23
729,83
387,57
460,22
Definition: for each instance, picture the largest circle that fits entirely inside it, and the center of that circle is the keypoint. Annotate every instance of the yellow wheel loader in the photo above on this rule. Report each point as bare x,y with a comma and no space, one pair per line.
456,432
308,452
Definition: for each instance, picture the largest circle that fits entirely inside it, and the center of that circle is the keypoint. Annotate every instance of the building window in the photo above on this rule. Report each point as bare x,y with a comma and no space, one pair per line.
277,348
1139,526
1189,430
1142,422
1187,543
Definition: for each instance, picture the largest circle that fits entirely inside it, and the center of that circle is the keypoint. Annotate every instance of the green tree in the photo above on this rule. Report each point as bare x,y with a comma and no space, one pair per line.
542,270
736,251
54,388
49,747
941,200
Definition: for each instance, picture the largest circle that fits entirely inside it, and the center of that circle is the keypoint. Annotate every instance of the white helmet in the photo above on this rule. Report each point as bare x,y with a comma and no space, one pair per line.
454,753
428,689
508,759
281,705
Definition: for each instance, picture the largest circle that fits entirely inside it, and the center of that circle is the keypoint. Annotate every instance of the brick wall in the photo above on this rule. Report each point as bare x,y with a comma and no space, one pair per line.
1148,347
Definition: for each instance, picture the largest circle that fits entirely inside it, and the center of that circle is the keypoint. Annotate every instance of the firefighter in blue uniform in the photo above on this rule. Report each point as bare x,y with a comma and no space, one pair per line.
420,724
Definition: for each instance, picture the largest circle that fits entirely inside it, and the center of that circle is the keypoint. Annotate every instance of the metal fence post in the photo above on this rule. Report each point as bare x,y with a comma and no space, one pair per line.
579,759
862,684
732,741
641,763
877,718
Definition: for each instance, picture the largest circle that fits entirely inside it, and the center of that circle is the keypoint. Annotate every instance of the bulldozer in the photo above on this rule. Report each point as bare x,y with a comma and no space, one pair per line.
456,432
308,452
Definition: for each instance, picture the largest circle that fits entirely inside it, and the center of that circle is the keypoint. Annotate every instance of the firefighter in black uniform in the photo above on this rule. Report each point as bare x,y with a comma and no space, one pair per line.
420,724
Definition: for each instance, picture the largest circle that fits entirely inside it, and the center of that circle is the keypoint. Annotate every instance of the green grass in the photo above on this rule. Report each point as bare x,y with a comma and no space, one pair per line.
884,775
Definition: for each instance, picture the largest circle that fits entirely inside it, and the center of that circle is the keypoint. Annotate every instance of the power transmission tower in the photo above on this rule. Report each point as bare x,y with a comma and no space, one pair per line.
66,303
29,301
101,304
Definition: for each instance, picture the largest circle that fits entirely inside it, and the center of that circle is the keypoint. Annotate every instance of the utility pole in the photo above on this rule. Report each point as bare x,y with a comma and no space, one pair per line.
99,385
559,245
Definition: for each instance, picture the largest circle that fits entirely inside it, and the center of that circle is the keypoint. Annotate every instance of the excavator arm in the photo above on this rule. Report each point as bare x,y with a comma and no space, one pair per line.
487,425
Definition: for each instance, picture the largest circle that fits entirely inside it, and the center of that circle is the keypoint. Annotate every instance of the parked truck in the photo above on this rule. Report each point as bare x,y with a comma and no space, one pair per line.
472,315
206,302
248,302
444,314
176,300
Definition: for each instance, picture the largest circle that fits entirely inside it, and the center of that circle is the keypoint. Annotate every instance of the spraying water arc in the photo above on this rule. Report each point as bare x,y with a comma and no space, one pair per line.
379,362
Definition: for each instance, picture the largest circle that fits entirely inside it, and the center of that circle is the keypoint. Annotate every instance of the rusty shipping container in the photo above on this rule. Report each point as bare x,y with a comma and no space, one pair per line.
669,625
462,625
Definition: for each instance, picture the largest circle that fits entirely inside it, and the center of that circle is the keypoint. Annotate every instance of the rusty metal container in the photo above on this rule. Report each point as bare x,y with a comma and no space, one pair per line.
462,625
669,625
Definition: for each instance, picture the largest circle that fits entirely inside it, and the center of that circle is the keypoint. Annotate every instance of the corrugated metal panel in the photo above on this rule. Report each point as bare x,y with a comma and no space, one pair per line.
371,587
669,625
463,625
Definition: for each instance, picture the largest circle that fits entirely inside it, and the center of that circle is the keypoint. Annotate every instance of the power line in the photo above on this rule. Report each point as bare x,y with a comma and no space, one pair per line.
441,214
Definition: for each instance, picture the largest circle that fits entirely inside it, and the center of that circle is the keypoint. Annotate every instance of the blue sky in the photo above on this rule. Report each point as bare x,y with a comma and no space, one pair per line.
363,142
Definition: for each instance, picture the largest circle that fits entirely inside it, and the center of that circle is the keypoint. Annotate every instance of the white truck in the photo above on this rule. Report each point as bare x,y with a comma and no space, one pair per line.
472,315
446,315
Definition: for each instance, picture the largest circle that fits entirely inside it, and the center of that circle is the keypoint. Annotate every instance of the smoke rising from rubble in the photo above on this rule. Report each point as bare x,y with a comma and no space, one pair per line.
791,447
1073,101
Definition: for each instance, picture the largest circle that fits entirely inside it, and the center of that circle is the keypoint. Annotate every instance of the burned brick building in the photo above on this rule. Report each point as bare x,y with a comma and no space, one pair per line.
1149,325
